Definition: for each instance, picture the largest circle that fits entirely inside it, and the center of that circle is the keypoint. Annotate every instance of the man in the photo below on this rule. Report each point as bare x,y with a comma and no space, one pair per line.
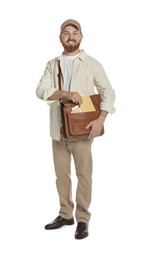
80,75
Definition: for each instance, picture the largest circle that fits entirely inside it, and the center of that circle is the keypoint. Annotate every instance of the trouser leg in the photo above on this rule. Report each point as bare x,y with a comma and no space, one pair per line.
62,162
81,151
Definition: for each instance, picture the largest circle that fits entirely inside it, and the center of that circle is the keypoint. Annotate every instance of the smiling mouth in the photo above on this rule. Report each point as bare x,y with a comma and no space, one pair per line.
70,42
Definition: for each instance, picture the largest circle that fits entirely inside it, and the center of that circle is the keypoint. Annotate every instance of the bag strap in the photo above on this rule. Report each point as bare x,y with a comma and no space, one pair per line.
59,75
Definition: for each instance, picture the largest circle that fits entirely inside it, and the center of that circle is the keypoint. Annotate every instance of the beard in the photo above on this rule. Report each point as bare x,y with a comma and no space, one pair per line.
72,47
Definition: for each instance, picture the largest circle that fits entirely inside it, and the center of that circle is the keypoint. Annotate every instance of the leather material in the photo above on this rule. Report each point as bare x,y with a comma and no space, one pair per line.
59,222
74,123
81,230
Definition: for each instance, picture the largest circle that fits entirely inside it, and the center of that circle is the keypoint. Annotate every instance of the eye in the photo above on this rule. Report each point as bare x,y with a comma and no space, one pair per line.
65,33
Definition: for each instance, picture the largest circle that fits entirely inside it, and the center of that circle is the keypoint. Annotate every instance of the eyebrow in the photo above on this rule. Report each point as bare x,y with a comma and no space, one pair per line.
76,30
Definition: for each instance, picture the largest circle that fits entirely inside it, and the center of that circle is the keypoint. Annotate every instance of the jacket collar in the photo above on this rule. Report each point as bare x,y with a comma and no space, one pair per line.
82,56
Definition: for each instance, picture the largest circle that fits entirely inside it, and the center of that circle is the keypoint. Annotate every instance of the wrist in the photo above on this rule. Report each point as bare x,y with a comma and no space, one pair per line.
102,116
64,94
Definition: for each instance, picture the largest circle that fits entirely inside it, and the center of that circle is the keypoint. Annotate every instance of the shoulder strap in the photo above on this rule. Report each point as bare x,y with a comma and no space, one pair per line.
59,75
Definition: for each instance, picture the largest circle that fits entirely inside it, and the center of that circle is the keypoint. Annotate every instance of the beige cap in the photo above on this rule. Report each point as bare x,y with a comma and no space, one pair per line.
71,22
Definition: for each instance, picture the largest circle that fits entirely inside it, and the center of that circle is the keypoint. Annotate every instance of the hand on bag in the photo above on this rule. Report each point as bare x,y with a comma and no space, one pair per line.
75,97
96,128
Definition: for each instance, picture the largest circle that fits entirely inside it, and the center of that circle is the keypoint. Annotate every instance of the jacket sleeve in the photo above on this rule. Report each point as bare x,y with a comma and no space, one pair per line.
104,87
46,86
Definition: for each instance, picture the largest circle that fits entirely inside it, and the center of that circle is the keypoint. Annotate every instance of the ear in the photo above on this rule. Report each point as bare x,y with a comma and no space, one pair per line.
60,38
81,37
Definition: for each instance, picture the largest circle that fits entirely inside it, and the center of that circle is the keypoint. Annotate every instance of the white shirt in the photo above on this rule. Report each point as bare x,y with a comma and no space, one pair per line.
68,66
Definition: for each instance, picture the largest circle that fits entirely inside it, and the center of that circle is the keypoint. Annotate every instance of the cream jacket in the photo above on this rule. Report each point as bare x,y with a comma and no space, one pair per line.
88,75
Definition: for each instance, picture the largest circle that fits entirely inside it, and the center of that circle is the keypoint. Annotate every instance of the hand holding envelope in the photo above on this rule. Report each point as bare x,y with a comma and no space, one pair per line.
86,106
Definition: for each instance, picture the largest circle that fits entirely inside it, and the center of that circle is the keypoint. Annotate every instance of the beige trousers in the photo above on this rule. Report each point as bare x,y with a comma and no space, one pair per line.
81,152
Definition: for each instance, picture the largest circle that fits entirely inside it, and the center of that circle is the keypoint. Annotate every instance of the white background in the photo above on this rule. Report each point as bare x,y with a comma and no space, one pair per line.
115,34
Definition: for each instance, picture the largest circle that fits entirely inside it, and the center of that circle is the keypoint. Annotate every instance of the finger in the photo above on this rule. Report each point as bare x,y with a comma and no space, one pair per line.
88,126
76,100
93,134
80,99
90,136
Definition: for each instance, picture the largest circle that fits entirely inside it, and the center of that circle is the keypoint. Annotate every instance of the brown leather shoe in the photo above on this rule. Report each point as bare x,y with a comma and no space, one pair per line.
59,222
81,230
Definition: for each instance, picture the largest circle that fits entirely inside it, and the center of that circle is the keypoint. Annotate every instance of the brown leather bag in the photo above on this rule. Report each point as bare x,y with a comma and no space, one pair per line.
73,124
